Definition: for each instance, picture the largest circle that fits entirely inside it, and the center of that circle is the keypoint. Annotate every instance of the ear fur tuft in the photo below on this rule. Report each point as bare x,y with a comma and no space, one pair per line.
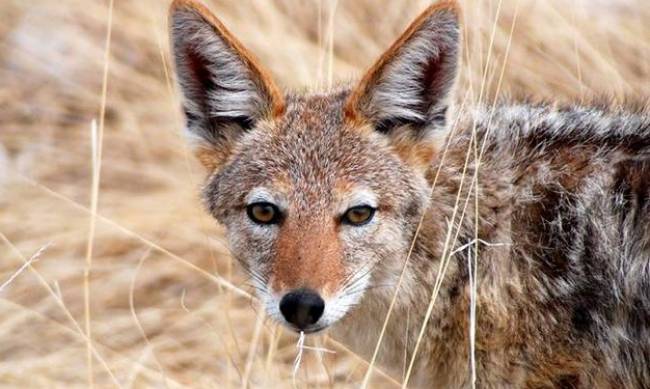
411,82
225,90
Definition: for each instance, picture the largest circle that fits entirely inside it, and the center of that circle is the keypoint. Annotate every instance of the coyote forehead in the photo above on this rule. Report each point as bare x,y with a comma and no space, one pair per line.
312,160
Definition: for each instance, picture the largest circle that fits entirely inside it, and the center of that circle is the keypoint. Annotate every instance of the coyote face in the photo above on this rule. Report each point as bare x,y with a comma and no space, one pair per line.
310,215
321,194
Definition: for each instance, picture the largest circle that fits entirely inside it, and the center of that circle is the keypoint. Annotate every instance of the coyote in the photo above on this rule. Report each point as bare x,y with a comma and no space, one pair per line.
536,215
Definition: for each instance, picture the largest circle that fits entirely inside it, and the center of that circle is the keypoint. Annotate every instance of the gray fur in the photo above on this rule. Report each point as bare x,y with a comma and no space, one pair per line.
564,299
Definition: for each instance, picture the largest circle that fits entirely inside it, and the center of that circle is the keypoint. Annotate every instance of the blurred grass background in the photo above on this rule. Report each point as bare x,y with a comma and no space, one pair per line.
159,313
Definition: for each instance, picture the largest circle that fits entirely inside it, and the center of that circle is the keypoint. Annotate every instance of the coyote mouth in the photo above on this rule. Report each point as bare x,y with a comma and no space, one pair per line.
308,330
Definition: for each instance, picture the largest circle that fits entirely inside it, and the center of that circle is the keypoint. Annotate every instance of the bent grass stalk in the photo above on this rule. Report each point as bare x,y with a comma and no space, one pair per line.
400,280
214,278
445,256
577,62
65,310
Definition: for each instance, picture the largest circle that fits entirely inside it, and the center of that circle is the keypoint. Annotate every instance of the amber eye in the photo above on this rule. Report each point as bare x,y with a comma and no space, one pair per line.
358,216
263,213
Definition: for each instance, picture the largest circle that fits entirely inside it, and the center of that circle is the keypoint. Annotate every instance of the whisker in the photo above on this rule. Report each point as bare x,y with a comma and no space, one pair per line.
355,276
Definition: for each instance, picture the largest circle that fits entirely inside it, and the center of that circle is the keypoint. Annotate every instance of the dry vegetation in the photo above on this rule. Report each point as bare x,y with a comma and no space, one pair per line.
160,312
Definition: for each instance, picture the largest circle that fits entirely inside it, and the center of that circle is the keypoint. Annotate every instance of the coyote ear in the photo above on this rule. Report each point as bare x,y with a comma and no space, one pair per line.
225,91
411,83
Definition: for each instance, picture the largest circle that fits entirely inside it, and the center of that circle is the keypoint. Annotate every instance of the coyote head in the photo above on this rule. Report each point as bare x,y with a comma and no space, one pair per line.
320,193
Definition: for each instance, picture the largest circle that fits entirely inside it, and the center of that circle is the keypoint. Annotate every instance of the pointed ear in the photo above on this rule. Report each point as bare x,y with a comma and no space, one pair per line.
411,83
225,91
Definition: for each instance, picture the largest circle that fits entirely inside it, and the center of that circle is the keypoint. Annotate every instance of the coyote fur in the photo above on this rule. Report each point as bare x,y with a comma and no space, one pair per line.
333,199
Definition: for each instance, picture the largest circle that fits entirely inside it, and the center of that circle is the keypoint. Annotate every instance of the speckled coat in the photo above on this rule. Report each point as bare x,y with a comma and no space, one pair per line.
558,198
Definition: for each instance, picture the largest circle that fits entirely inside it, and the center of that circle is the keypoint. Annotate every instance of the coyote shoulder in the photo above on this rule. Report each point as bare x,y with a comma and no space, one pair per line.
532,219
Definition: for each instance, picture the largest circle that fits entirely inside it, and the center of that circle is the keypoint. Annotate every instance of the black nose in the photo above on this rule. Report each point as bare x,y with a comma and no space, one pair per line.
302,307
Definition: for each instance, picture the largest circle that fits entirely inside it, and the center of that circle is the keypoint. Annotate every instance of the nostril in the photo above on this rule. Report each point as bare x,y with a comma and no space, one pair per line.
302,307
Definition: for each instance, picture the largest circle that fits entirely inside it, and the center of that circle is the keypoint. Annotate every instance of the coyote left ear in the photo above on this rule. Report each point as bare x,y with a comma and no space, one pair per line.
411,83
225,90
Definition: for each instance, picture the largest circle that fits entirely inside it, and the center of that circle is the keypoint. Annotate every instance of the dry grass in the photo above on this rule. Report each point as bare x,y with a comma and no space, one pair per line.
166,307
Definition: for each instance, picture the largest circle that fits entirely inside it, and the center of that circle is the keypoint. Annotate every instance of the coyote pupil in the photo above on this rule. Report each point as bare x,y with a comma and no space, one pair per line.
322,193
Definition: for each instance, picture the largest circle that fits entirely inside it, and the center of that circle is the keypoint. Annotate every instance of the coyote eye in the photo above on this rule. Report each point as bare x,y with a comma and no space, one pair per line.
263,213
359,215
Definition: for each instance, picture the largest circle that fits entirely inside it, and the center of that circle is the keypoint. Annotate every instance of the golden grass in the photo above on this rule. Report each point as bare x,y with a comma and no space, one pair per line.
166,306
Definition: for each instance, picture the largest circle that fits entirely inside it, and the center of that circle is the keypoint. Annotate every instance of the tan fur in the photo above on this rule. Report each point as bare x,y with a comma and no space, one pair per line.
562,195
308,256
416,154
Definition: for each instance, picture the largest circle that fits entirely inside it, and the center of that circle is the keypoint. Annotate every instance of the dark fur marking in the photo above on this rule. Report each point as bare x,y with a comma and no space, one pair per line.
581,319
571,381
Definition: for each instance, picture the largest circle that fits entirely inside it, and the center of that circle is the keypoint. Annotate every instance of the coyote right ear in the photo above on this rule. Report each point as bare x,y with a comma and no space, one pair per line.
225,91
411,83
